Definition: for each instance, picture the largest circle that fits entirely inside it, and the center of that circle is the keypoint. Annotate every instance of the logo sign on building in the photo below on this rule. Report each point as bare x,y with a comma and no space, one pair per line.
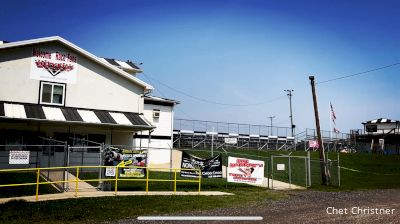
19,157
210,168
313,144
53,66
242,170
230,141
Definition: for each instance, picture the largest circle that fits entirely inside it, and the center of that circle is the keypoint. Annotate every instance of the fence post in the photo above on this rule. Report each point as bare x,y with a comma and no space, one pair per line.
305,167
290,173
116,180
175,181
338,165
147,180
76,181
199,180
37,184
309,169
272,172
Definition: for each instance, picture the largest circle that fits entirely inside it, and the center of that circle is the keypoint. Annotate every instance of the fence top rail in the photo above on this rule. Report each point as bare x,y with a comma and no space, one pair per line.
283,156
31,145
80,167
84,147
227,123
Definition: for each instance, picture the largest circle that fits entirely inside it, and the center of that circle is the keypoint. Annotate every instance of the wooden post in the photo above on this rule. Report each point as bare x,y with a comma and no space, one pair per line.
321,146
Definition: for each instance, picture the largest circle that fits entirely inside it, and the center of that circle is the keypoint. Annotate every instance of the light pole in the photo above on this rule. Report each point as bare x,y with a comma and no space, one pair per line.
289,94
271,117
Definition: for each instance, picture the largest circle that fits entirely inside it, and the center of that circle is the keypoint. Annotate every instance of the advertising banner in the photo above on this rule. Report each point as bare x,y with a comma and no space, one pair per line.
242,170
53,66
19,157
138,157
210,168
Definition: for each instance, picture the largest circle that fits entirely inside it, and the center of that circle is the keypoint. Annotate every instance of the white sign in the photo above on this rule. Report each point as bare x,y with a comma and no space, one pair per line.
231,140
110,171
53,66
19,157
280,166
242,170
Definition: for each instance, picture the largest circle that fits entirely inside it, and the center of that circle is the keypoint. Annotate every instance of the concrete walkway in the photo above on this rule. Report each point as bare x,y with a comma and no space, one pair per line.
278,185
68,195
82,186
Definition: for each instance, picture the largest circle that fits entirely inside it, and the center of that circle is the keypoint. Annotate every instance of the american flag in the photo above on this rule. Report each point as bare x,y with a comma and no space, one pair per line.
334,119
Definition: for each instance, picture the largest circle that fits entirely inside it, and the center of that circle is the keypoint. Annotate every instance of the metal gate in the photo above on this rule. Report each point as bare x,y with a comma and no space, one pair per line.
294,170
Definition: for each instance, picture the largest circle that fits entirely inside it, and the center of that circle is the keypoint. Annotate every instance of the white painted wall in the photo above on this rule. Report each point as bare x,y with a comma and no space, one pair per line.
164,123
96,86
159,152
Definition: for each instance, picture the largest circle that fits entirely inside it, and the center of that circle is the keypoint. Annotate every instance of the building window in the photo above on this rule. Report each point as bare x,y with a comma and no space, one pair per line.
52,93
156,113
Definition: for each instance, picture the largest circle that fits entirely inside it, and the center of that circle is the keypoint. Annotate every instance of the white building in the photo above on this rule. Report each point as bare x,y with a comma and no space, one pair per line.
52,88
160,113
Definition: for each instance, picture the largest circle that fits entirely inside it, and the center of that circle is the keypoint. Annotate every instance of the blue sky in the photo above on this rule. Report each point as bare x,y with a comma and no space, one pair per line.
238,52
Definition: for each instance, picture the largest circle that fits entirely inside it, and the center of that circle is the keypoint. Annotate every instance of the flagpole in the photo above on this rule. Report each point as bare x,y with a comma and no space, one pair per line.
330,120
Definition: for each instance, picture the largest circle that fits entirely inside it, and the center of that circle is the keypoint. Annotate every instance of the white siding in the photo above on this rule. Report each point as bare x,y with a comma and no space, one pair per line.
96,86
163,124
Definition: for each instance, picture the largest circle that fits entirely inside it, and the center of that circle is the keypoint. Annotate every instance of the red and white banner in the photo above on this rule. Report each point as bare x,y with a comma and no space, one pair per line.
53,66
242,170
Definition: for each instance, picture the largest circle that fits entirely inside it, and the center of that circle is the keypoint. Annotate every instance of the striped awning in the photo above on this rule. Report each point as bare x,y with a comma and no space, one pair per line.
44,113
380,121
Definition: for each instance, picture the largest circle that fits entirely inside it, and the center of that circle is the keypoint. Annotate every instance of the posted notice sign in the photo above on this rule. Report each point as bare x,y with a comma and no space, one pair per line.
242,170
19,157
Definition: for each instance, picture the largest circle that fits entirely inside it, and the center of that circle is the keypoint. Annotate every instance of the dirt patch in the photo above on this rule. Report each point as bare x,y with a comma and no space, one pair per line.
313,207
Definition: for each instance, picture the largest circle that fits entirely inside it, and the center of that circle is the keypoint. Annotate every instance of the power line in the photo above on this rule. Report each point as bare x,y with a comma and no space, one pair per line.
360,73
210,101
178,109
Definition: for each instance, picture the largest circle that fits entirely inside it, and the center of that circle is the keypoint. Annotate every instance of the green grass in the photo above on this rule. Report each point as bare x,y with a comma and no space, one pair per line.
94,210
19,178
377,171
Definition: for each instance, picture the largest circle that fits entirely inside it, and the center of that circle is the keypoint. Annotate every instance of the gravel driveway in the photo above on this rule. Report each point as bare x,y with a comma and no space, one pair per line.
312,207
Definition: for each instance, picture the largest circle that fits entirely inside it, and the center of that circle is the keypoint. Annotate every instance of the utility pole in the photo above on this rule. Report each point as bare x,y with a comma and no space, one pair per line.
272,117
289,94
321,146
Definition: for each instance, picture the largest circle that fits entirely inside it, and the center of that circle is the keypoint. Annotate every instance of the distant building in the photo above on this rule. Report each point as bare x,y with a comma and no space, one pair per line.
380,135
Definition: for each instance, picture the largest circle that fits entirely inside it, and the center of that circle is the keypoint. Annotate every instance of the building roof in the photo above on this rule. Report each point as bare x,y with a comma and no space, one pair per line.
68,115
159,101
127,66
83,52
380,121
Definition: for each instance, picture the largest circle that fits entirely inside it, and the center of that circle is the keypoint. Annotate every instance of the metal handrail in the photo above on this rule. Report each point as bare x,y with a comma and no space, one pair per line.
116,179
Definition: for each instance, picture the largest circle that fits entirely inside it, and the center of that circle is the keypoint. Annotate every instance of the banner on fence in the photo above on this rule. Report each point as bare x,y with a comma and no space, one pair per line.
242,170
19,157
138,157
210,168
313,144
